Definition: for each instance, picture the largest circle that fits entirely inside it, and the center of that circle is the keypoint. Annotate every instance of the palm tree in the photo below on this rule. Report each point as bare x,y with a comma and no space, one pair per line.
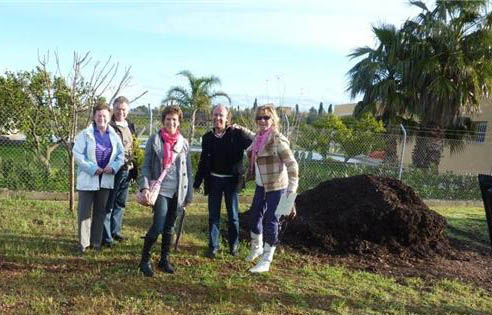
434,69
454,69
198,96
378,77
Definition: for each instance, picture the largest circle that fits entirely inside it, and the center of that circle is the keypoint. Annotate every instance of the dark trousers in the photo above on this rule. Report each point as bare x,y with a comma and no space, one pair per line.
262,214
165,211
116,206
223,186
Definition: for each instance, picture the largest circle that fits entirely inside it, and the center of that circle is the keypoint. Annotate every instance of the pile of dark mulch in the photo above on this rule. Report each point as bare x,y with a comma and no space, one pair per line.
365,215
380,225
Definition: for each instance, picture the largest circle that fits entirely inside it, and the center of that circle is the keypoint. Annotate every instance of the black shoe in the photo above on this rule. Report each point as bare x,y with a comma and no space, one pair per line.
80,250
119,238
94,247
146,268
165,265
212,253
233,249
107,244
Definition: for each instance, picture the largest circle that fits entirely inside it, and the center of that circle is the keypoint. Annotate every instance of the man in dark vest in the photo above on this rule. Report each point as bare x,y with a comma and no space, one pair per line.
118,196
221,169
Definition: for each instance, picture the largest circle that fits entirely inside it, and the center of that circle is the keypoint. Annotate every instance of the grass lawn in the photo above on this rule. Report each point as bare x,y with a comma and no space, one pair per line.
40,273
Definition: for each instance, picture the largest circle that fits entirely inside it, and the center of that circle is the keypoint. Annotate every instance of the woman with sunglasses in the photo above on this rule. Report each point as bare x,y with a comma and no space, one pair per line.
276,172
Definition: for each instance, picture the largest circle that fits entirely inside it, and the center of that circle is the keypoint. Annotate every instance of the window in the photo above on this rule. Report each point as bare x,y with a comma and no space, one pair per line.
480,131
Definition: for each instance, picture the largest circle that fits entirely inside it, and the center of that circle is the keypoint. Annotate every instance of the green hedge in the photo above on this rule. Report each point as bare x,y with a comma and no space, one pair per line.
28,174
428,184
21,170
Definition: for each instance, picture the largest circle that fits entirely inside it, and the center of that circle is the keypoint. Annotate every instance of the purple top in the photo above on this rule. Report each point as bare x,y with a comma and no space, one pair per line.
103,147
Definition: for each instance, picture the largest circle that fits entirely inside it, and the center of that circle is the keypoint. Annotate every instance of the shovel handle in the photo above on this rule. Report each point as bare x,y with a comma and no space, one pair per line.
180,229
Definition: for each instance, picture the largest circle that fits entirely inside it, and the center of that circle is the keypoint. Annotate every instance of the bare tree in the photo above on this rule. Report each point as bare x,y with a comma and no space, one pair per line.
74,94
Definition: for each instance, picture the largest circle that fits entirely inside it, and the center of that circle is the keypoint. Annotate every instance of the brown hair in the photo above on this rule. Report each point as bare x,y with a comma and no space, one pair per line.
268,108
172,109
101,106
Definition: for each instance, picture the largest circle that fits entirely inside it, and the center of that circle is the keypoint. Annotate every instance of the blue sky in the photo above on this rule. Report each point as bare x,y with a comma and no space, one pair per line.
284,52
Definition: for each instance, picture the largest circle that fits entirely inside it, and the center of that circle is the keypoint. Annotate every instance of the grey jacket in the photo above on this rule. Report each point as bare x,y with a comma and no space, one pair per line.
152,167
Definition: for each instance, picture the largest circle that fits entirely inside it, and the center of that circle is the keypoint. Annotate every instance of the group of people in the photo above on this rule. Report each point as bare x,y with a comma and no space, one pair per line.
104,157
103,153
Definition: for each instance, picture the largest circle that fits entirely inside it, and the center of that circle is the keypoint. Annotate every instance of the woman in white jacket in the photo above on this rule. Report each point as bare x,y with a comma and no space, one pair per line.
99,154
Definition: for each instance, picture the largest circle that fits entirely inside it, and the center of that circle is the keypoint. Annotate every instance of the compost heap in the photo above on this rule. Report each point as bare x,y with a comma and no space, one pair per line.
366,215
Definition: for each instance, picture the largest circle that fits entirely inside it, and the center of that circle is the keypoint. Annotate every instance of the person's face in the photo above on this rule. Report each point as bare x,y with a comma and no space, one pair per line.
120,111
101,118
171,123
263,120
220,118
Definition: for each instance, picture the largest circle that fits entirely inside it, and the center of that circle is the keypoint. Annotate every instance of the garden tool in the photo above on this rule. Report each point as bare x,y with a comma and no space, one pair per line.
485,182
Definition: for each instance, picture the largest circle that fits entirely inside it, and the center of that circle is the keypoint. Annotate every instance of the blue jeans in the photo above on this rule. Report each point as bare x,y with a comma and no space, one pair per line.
262,214
116,206
222,186
165,212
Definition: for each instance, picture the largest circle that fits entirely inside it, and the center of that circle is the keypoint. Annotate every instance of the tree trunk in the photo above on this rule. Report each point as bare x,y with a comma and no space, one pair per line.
428,147
46,158
71,200
391,151
191,132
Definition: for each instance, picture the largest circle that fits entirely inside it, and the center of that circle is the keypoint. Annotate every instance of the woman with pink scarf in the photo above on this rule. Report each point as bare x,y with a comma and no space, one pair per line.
276,172
166,149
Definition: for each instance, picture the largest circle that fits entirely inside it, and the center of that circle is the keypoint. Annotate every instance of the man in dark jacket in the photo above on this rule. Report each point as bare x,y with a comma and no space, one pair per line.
221,169
118,196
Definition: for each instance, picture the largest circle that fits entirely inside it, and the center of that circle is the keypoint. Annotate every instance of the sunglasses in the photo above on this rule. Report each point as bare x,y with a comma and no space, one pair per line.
262,117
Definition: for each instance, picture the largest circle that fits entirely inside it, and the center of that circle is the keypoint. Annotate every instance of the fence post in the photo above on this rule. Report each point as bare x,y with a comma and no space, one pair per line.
150,121
402,150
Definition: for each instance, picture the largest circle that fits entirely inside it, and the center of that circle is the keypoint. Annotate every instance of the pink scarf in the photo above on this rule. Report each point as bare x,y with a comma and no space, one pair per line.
258,144
169,141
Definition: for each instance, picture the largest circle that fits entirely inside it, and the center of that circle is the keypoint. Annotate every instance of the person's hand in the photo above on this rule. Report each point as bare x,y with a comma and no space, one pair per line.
108,170
99,171
293,213
288,192
146,193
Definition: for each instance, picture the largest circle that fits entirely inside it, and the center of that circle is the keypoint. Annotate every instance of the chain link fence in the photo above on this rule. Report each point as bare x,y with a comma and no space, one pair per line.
445,169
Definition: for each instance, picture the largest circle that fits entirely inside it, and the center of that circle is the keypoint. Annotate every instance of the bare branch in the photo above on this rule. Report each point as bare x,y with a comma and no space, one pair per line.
108,82
136,98
57,61
102,75
123,83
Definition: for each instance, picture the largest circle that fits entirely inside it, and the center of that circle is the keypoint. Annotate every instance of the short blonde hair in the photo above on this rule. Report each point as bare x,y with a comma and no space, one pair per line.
269,109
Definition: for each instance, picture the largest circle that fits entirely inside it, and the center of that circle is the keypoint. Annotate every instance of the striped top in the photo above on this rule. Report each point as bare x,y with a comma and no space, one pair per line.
103,147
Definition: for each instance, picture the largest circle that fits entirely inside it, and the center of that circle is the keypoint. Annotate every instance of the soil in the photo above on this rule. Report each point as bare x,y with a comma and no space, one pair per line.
379,224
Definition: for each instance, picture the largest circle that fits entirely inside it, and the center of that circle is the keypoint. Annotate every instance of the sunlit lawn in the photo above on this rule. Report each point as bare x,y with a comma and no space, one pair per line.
41,273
